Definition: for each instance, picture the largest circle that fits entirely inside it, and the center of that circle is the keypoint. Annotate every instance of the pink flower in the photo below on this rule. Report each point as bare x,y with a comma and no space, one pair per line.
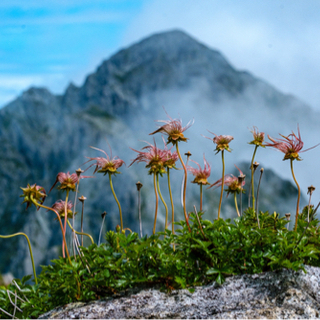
67,181
59,206
258,137
290,145
232,182
201,175
154,157
105,165
221,141
173,129
36,192
170,157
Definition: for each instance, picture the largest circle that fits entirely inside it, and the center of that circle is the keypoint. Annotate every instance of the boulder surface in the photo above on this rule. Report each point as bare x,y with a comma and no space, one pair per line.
283,294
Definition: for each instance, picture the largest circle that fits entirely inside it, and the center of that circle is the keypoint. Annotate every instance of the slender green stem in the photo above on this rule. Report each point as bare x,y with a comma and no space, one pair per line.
236,204
222,183
157,201
201,197
298,201
252,176
61,226
30,249
172,206
165,205
74,211
115,197
185,186
65,221
80,233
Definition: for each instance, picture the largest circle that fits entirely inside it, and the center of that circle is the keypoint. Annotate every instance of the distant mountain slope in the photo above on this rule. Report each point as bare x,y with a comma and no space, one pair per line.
42,134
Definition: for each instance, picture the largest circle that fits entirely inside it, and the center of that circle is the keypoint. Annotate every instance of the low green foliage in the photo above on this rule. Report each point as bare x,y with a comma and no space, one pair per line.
170,261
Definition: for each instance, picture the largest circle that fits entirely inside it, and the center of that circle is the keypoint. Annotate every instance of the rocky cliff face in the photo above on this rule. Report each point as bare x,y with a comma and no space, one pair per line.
42,134
283,294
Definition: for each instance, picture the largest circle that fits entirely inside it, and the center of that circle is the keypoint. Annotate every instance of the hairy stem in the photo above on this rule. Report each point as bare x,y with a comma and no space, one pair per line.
222,183
165,205
201,197
61,226
157,201
30,250
115,197
139,210
171,200
184,187
81,233
65,221
236,204
74,211
257,211
298,200
101,229
252,176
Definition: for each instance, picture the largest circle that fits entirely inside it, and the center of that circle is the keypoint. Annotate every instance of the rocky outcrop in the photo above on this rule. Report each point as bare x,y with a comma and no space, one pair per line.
282,294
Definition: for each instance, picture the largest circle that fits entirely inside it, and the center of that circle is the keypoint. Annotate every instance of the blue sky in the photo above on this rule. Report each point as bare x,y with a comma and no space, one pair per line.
52,43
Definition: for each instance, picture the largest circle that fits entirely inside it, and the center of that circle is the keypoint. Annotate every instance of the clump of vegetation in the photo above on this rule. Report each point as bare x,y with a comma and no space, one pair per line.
194,253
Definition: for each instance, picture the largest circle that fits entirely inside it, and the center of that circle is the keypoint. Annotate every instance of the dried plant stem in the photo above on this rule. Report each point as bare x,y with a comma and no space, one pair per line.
65,221
201,197
165,205
258,190
199,222
171,200
236,204
252,176
298,200
82,209
139,186
81,233
58,216
172,205
101,229
157,201
74,211
309,207
241,200
184,188
222,183
139,206
115,197
30,250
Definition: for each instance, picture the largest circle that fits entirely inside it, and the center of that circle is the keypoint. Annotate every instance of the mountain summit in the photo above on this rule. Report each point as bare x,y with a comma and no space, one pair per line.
42,134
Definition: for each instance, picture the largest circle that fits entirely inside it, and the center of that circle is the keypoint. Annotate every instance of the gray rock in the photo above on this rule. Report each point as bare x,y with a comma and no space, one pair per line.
282,294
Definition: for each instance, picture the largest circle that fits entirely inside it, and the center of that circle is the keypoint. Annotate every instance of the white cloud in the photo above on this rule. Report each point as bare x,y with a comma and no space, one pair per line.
274,40
12,86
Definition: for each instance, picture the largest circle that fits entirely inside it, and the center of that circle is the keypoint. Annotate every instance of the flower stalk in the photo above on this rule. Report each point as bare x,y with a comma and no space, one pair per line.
222,184
157,201
30,250
164,203
184,186
37,204
298,199
139,186
118,203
